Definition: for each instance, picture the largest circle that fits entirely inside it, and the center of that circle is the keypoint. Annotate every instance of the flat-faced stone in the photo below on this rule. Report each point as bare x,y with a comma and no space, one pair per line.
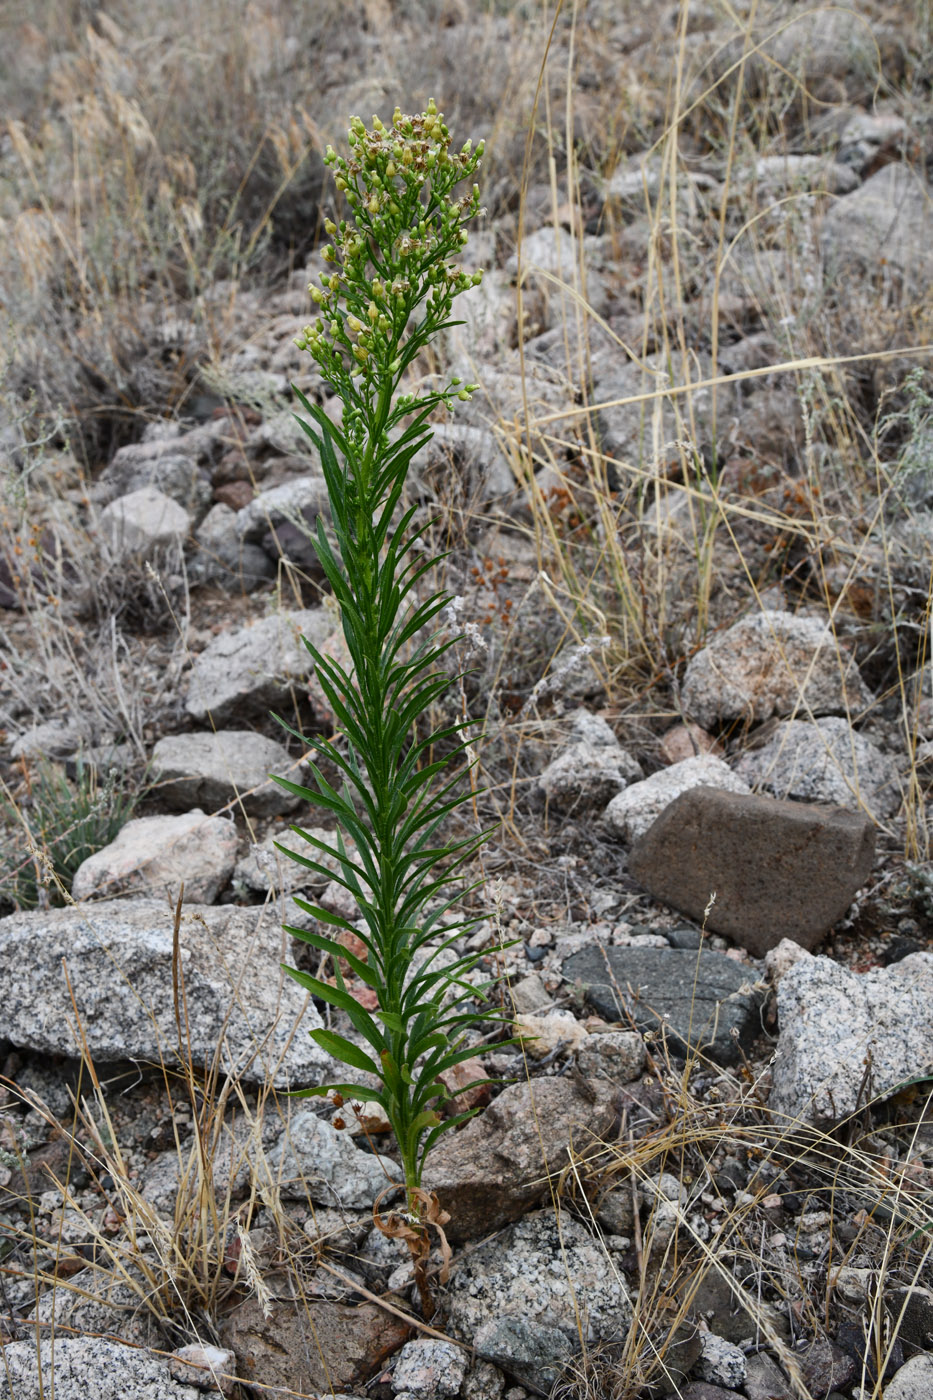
313,1347
113,965
250,670
778,869
229,768
496,1168
703,1000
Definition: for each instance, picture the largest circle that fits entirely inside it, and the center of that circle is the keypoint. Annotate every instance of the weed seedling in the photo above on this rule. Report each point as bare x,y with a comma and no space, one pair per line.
389,289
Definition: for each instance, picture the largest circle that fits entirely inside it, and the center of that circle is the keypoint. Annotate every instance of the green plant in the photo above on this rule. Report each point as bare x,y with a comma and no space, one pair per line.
403,774
64,822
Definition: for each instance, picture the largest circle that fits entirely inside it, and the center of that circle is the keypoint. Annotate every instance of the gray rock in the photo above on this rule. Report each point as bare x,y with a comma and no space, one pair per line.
529,1351
74,1368
776,175
823,761
635,420
496,1167
430,1368
56,738
224,769
913,1381
771,664
764,1380
778,869
704,1000
550,1274
156,855
119,960
888,219
473,454
585,776
299,502
315,1161
224,558
846,1038
159,465
721,1362
250,670
632,812
615,1055
137,525
265,868
559,253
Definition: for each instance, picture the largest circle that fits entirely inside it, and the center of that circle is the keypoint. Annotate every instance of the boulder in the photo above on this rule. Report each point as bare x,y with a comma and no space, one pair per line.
251,670
846,1038
224,769
157,855
703,1000
778,869
771,664
825,760
632,812
118,955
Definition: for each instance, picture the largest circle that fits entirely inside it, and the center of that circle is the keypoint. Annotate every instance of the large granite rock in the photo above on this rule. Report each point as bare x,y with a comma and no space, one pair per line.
703,1000
778,869
846,1037
118,956
157,855
224,769
251,670
823,761
76,1368
522,1296
771,664
496,1168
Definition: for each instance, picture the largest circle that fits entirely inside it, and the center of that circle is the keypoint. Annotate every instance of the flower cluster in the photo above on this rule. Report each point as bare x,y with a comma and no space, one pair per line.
391,277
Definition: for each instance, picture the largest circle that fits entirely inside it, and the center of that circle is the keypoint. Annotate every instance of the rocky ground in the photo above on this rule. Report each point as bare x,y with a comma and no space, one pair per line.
688,523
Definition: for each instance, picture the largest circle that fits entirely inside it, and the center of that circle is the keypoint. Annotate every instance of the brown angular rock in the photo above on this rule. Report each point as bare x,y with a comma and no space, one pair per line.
313,1348
496,1168
778,869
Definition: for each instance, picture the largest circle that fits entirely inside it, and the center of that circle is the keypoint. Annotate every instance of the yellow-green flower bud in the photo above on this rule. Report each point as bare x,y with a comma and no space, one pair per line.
340,182
390,169
464,396
379,289
355,325
361,354
372,311
330,228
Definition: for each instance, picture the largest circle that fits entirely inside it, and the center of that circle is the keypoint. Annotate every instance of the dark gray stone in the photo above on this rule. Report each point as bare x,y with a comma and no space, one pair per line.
685,937
706,1001
529,1352
778,869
